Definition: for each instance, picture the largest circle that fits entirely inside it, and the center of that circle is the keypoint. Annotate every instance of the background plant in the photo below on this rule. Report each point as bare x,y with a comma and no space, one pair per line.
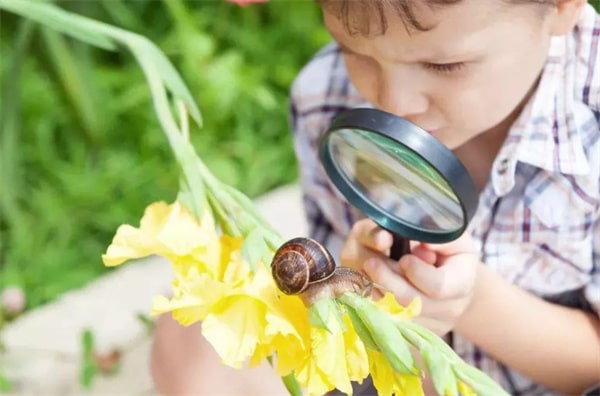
82,151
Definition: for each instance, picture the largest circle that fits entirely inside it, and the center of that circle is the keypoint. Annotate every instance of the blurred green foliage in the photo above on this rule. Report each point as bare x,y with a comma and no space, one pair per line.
82,151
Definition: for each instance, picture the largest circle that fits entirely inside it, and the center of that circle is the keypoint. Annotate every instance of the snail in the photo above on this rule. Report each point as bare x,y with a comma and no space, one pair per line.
304,267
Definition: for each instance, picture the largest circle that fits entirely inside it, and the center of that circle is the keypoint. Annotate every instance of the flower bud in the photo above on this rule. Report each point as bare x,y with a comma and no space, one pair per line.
13,300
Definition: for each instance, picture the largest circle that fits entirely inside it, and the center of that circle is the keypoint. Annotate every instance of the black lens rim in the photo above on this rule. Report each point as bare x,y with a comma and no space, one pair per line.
422,143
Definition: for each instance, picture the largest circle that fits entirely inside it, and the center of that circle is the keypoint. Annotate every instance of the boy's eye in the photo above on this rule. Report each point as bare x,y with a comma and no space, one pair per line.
444,67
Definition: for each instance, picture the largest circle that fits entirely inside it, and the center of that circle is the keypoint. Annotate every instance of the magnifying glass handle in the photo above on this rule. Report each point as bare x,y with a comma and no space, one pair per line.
400,247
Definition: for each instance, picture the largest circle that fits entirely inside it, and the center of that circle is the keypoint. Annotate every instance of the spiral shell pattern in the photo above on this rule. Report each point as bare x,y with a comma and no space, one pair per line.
300,262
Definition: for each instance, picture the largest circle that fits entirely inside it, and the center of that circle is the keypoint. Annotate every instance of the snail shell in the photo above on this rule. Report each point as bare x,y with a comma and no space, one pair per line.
300,262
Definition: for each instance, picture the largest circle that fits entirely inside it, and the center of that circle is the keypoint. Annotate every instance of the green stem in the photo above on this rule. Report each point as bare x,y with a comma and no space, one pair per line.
183,151
104,36
476,379
292,385
159,72
289,381
383,332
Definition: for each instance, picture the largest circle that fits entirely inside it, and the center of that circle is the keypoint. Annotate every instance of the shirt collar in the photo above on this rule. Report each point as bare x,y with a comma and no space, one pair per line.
545,133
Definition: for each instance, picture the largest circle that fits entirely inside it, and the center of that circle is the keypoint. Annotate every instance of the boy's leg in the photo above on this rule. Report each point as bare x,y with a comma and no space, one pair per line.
184,363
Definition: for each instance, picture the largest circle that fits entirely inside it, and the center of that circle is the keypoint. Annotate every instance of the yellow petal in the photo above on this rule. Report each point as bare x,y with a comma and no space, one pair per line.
262,286
313,379
289,353
179,231
231,269
235,329
167,230
465,389
387,381
131,243
389,304
194,296
185,311
154,217
326,364
356,354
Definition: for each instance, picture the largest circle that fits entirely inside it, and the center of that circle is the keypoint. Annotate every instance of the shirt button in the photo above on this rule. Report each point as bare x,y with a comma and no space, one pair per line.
503,166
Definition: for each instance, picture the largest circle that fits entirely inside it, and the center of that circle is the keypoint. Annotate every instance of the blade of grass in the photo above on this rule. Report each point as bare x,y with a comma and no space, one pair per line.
10,125
108,37
72,81
56,19
120,13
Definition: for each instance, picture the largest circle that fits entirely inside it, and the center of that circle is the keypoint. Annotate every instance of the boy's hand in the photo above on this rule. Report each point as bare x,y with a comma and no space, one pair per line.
443,275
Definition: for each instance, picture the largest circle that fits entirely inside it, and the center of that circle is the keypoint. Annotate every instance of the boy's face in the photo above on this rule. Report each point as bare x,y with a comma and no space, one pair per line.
468,74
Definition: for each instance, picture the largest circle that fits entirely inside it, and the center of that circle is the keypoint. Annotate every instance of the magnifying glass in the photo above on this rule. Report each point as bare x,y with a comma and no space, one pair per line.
400,176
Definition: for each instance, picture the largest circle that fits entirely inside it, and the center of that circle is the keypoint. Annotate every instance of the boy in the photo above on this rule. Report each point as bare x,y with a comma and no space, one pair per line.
512,87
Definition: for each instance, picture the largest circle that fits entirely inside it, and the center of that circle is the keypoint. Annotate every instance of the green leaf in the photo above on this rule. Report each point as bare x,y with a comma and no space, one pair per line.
423,338
5,384
384,332
72,78
323,311
271,236
440,370
292,385
479,381
88,367
255,250
361,329
10,125
147,53
147,322
67,23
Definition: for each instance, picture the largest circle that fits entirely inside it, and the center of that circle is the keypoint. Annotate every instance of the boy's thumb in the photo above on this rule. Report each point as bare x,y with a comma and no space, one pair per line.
464,244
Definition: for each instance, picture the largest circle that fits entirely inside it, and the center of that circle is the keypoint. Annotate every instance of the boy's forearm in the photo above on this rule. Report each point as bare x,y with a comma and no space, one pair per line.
554,345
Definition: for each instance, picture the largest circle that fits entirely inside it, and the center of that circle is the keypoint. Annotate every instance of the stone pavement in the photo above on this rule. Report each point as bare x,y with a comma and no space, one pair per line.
43,347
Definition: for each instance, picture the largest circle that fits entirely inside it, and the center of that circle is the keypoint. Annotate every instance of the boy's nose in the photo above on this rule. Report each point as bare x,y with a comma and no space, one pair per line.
401,95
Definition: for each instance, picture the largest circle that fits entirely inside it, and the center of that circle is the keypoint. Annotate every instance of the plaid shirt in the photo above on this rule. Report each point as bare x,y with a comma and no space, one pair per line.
537,224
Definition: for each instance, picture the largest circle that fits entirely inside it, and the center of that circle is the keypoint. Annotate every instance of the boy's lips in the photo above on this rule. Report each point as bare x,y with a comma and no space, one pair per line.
433,131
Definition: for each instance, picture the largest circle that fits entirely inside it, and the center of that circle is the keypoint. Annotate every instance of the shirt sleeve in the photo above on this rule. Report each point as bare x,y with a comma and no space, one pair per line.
317,196
591,97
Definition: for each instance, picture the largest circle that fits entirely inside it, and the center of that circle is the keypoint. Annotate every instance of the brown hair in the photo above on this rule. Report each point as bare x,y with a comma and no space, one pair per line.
363,16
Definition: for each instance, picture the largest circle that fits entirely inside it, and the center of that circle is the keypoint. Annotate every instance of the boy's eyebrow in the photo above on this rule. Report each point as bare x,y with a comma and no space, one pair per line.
442,56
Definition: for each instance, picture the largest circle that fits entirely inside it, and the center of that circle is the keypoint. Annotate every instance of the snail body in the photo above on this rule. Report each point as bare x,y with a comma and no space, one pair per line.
302,266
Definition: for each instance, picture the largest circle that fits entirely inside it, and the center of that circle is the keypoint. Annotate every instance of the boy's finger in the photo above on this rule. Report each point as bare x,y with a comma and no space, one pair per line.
425,254
355,255
446,282
381,273
370,235
464,244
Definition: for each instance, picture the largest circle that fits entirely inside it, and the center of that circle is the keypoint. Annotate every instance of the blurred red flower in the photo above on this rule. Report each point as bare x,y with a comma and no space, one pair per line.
244,3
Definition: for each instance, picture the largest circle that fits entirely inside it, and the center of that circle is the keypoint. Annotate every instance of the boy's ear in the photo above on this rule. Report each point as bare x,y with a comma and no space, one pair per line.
565,15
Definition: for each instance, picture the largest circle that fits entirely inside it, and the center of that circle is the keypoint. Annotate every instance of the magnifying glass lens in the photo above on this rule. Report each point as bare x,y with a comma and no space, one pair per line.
396,179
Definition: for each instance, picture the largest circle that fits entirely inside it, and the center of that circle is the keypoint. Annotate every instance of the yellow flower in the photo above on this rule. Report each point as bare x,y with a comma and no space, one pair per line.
243,316
251,321
337,356
465,389
169,231
389,304
389,382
